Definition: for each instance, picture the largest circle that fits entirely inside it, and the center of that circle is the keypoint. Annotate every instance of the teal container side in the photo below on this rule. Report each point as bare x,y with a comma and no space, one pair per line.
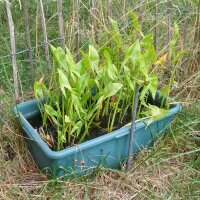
109,150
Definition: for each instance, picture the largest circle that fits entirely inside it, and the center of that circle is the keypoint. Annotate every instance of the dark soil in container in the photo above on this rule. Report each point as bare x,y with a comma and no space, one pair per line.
98,128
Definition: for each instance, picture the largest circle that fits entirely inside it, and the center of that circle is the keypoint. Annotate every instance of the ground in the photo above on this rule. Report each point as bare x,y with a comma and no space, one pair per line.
170,170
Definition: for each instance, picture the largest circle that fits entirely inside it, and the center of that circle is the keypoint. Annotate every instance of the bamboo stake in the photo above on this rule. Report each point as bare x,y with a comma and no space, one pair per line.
94,16
44,29
36,33
61,23
134,112
28,39
197,32
76,19
155,25
141,11
13,49
169,20
110,8
123,3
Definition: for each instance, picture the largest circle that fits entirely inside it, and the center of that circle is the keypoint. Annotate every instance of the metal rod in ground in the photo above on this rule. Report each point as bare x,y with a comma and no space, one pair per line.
134,112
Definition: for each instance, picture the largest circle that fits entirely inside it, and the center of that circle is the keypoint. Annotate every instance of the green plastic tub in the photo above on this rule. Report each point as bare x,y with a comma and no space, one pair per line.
109,150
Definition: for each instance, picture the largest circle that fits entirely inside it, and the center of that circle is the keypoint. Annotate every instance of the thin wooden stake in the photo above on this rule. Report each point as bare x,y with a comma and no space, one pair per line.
13,49
36,33
61,23
94,15
169,21
44,29
141,11
123,3
94,20
197,30
76,19
155,25
134,112
28,39
110,8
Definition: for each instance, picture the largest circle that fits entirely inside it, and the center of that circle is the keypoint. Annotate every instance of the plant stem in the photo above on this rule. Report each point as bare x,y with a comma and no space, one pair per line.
106,108
86,130
134,112
115,112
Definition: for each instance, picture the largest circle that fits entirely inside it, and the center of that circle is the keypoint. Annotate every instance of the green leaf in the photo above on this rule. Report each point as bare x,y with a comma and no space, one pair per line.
116,33
136,24
55,121
82,83
149,56
59,57
93,83
111,69
77,105
50,111
59,135
67,119
64,83
105,48
39,90
146,40
155,113
98,105
153,79
86,63
100,101
176,29
127,75
165,91
85,97
174,41
132,51
111,89
77,128
63,138
179,55
70,59
94,58
144,92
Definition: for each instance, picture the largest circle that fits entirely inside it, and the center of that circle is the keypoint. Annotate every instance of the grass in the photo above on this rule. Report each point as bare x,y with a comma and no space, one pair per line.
170,170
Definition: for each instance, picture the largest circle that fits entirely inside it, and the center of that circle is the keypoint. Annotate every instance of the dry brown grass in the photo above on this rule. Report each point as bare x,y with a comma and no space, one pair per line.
166,171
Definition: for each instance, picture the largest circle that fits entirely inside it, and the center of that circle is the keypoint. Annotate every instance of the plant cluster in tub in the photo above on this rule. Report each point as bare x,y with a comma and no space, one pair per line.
82,120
